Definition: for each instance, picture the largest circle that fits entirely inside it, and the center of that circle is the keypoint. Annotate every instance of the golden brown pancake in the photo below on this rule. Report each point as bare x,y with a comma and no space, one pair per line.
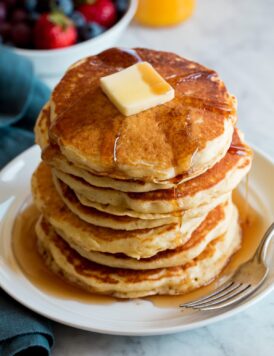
215,224
139,205
126,283
41,127
217,181
53,156
184,136
136,243
99,218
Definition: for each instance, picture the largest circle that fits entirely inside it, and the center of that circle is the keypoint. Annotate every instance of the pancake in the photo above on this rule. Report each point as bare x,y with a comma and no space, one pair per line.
215,224
136,243
219,180
74,203
42,126
98,218
139,205
146,146
53,156
126,283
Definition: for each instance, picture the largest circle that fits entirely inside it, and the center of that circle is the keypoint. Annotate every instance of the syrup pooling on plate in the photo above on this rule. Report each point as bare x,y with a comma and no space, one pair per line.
253,227
32,265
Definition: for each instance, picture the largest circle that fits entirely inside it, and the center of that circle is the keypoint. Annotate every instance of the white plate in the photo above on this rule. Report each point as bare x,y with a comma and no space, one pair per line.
138,317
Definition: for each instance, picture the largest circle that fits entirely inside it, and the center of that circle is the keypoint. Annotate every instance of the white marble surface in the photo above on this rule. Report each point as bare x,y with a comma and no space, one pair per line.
235,37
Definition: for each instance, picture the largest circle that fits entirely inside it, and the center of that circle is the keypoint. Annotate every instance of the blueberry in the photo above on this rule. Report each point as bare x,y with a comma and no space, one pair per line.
33,16
42,6
90,30
3,12
121,6
21,35
78,19
65,6
30,5
19,15
9,3
5,31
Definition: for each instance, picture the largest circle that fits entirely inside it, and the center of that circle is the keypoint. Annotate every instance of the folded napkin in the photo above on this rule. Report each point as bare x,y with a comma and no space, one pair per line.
22,332
22,95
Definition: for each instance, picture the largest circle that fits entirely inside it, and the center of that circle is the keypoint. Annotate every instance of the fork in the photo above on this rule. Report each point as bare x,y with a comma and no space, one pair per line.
243,282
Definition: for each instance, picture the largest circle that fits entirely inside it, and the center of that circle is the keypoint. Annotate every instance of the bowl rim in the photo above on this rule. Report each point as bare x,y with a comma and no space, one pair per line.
125,19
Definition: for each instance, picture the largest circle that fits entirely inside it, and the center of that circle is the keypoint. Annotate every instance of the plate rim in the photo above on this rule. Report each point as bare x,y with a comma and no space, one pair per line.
153,330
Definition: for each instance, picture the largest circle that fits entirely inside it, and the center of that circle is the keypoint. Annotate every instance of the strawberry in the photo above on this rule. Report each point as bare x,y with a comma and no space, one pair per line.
102,12
54,31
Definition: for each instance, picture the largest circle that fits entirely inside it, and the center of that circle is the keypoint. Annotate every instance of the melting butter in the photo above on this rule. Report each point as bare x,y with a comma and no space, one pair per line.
136,88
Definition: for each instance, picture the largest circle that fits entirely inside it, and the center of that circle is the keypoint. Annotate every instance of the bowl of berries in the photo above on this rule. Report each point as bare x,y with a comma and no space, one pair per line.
53,34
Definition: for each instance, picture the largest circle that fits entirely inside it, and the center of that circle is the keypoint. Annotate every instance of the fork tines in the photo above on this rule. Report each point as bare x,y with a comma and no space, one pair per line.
228,293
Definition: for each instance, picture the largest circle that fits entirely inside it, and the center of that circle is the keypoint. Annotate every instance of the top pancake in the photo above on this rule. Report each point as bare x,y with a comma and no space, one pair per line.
184,136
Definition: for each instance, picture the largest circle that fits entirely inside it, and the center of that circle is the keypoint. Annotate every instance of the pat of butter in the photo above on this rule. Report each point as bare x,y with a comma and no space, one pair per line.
136,88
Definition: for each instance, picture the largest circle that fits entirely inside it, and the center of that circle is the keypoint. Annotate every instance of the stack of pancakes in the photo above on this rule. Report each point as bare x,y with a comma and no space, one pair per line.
139,205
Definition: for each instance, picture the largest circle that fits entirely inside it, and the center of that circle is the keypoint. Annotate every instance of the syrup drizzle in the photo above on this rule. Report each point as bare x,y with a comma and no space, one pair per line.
178,79
131,52
239,150
115,158
115,58
156,86
135,58
188,99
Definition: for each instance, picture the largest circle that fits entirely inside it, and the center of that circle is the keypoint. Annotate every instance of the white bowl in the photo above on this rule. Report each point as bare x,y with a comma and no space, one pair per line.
50,65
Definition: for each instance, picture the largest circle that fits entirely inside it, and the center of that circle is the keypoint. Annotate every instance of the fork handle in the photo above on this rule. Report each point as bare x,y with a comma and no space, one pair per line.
264,244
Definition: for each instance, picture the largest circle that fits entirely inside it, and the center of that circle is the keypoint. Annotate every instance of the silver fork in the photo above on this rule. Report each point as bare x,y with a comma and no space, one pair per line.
243,282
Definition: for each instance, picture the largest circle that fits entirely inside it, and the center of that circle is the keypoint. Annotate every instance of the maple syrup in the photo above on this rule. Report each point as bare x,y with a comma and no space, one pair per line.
240,150
158,87
253,227
131,52
174,124
176,79
31,263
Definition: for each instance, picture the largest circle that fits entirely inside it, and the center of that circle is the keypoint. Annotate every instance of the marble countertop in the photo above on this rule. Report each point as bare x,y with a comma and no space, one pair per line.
236,38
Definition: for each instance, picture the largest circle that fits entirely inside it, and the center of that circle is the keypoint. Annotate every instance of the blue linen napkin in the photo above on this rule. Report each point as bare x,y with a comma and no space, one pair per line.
22,95
22,332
